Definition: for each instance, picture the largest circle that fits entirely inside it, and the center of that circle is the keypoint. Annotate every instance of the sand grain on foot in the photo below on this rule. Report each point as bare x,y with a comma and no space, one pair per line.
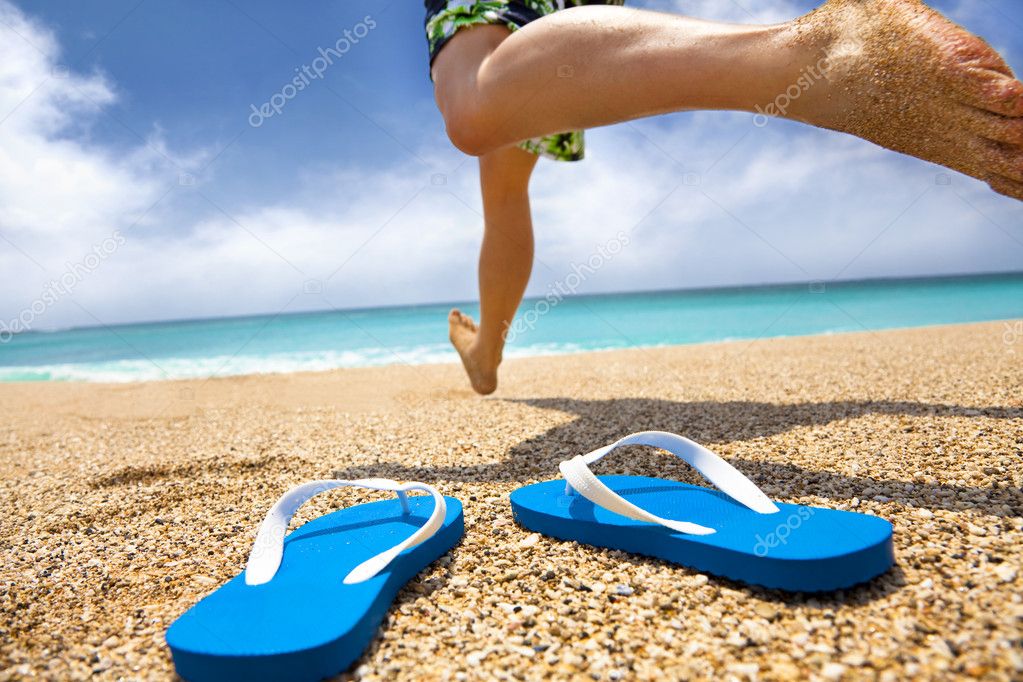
902,76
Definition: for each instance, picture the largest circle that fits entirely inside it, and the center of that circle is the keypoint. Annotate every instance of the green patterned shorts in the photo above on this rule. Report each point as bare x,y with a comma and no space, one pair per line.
445,18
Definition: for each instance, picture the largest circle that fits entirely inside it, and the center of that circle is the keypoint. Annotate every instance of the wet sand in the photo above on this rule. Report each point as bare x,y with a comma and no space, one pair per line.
125,504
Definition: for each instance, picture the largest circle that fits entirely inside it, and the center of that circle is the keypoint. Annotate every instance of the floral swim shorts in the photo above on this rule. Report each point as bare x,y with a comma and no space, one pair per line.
445,17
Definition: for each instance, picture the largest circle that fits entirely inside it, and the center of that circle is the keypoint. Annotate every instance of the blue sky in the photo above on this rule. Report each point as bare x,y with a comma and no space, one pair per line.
131,119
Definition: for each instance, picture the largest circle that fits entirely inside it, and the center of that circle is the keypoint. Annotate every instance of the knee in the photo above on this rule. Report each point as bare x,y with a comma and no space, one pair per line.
465,123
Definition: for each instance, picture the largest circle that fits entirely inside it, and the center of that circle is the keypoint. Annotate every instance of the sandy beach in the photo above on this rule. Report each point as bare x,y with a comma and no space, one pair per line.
125,504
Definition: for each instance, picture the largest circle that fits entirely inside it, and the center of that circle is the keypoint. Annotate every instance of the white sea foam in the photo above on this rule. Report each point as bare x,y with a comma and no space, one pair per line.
658,319
156,369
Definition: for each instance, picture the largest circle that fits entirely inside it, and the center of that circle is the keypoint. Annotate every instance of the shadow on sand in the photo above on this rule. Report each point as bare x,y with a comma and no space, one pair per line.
599,422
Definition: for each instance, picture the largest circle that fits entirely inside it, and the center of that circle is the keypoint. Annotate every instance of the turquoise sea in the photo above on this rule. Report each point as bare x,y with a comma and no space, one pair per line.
418,334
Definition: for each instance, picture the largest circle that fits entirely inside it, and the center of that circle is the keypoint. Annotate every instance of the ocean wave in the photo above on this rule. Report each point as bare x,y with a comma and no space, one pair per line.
159,369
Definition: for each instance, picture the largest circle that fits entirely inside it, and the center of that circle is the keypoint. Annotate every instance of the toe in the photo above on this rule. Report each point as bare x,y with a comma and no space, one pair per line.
456,316
1016,107
1007,97
1000,129
1007,186
990,91
988,124
966,50
1006,160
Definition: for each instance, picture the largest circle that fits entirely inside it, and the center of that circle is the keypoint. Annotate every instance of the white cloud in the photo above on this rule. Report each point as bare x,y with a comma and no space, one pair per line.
59,195
779,203
784,204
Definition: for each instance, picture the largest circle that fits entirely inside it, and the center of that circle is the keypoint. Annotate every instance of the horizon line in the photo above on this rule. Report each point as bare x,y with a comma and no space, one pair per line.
398,306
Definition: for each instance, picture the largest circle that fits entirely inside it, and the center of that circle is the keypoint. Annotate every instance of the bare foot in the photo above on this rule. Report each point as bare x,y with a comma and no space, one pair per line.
903,76
463,334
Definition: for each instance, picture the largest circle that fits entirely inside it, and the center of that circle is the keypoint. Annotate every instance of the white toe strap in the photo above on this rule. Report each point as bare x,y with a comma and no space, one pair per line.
728,479
268,549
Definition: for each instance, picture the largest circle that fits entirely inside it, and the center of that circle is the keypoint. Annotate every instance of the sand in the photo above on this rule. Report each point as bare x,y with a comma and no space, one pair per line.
124,505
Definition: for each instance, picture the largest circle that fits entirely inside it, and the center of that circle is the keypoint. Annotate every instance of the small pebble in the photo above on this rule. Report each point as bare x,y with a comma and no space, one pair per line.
1006,572
833,671
530,540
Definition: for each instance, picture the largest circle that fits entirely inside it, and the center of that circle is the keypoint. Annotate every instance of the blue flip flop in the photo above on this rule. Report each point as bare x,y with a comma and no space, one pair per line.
735,531
307,605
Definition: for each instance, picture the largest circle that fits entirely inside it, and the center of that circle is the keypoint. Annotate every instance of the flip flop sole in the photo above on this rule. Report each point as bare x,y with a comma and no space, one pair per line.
306,624
799,548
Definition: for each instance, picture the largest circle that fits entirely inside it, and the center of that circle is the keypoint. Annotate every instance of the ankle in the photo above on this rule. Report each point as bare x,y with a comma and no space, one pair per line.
487,351
814,54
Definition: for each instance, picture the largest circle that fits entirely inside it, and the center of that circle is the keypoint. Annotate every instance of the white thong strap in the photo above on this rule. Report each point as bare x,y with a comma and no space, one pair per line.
268,549
728,479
